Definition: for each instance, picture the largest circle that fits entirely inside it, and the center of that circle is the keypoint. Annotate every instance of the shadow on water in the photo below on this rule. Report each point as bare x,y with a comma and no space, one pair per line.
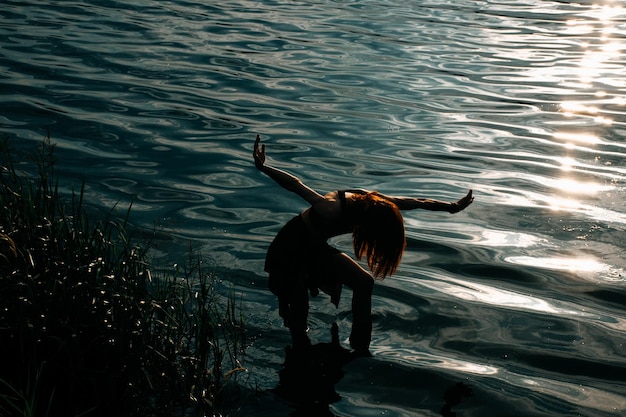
308,378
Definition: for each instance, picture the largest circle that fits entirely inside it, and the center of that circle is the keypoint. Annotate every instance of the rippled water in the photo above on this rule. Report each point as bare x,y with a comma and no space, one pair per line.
522,296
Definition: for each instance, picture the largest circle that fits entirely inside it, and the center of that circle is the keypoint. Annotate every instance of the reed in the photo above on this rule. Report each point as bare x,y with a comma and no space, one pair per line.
87,328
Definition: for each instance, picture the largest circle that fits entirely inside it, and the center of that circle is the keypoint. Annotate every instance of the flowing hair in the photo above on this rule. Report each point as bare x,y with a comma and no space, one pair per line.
378,234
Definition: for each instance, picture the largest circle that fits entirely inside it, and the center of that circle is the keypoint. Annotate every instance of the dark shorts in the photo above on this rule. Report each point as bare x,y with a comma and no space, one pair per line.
296,259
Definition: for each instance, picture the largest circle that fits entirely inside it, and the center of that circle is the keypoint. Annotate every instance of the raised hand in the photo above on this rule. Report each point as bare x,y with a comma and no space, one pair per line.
259,154
462,203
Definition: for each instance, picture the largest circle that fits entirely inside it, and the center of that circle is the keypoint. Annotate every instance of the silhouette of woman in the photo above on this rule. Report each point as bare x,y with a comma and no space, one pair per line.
299,259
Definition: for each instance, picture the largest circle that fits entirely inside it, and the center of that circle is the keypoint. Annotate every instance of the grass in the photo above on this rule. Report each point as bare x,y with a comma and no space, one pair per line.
87,328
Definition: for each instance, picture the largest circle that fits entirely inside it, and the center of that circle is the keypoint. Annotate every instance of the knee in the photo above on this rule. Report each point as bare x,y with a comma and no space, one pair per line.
364,286
369,284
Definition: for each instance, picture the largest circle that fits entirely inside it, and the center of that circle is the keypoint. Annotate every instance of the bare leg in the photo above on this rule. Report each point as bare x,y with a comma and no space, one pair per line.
361,282
293,306
298,314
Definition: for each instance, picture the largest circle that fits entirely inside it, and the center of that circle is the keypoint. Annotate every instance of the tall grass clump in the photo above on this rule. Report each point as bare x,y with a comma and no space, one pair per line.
86,328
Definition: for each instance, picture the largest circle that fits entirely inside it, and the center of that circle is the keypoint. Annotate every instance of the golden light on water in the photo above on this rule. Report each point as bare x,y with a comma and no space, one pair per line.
574,183
598,67
584,138
572,264
601,59
573,108
584,266
597,59
572,186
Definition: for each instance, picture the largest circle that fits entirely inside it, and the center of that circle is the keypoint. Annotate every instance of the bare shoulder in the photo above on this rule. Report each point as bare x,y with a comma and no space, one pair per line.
329,206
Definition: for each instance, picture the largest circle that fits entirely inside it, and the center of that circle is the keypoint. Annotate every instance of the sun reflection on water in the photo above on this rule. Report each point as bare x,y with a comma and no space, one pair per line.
573,108
599,33
598,64
572,264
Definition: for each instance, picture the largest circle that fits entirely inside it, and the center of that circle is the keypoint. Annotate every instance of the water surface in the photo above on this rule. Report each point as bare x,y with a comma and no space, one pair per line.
521,296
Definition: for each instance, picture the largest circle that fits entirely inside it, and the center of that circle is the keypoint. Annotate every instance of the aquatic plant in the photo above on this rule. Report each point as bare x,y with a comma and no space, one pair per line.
86,327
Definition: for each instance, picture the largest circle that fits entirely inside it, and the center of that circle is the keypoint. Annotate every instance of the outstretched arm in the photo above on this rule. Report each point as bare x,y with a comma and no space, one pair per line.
283,178
410,203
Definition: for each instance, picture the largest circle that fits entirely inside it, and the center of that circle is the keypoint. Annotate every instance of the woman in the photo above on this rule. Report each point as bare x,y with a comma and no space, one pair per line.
299,259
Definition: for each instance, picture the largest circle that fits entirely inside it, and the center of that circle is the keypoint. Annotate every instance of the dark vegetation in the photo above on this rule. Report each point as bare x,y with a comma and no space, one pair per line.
87,327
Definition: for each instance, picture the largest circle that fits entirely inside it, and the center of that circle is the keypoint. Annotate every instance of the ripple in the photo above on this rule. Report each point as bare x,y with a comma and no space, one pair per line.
522,102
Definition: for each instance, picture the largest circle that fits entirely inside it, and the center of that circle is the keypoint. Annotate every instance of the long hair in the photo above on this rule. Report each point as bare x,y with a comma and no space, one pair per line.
378,234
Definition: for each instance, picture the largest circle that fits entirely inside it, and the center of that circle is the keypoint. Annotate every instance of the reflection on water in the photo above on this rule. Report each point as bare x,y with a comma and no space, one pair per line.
308,376
521,297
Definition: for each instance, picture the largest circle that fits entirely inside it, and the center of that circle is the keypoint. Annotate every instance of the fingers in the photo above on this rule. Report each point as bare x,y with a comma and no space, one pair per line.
462,203
259,155
467,200
256,147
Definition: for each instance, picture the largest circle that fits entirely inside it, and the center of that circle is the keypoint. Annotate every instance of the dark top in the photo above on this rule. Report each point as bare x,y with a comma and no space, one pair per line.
297,257
325,229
